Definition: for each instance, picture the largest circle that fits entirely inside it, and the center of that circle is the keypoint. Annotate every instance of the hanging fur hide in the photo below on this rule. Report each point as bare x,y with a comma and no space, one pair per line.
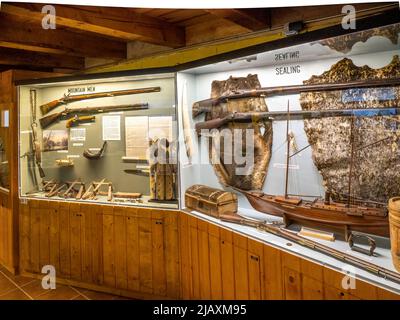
376,169
226,171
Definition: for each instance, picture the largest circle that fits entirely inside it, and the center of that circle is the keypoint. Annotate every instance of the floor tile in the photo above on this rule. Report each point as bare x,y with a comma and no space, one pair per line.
35,289
60,293
15,295
5,285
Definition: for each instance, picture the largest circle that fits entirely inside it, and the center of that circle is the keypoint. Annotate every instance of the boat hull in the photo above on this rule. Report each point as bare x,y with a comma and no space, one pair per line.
311,216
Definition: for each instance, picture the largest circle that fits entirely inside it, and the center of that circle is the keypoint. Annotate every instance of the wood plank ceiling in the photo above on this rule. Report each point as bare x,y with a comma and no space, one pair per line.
84,32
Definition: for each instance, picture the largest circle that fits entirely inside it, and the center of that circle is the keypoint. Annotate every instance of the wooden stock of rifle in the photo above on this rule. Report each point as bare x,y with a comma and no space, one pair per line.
71,113
294,115
292,236
46,108
207,104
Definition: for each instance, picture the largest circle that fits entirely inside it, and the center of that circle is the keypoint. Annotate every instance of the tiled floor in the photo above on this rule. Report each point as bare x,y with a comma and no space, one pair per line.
23,288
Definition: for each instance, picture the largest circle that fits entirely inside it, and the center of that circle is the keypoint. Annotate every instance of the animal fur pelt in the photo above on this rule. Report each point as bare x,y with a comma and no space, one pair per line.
376,169
226,172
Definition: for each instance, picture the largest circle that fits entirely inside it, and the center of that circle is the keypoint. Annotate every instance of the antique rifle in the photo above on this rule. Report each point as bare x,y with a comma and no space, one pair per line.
35,142
76,120
46,108
292,236
71,113
206,105
294,115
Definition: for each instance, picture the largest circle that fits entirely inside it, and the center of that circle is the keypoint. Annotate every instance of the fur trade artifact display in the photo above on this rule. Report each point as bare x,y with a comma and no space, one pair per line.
262,138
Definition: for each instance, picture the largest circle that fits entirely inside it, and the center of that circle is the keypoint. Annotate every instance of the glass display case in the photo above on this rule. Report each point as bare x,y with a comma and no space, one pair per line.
4,149
108,140
307,137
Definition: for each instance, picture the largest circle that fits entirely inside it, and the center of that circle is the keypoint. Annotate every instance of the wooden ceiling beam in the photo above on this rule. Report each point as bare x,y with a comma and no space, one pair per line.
24,58
19,34
251,19
115,23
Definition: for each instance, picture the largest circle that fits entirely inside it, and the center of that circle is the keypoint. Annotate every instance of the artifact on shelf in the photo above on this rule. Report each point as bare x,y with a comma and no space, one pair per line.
91,155
68,113
77,120
394,221
279,230
94,190
127,195
139,172
36,150
46,108
218,107
249,117
187,130
64,162
343,216
72,192
56,189
208,105
211,201
371,244
317,234
162,172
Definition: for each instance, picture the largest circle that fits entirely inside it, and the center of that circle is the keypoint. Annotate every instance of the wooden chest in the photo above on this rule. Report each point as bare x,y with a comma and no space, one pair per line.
210,201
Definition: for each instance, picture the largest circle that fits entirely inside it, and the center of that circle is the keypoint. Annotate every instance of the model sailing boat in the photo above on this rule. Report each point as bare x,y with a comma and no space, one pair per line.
350,215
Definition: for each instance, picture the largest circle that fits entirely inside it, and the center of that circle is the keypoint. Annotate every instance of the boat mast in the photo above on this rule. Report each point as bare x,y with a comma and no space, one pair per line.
351,159
287,152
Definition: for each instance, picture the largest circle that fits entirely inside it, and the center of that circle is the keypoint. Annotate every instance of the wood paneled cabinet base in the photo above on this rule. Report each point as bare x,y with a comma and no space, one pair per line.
146,253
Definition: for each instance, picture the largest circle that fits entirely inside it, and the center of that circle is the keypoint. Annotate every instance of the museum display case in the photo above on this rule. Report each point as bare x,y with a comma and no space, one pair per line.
286,154
307,138
107,140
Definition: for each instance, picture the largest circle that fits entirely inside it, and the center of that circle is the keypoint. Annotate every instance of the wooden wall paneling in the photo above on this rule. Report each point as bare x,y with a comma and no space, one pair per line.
108,246
65,233
121,273
34,265
171,247
4,236
386,295
214,241
133,250
291,276
256,272
312,280
75,241
333,288
184,253
204,260
194,257
87,244
44,234
96,227
25,236
273,275
145,252
158,253
54,235
227,264
240,262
